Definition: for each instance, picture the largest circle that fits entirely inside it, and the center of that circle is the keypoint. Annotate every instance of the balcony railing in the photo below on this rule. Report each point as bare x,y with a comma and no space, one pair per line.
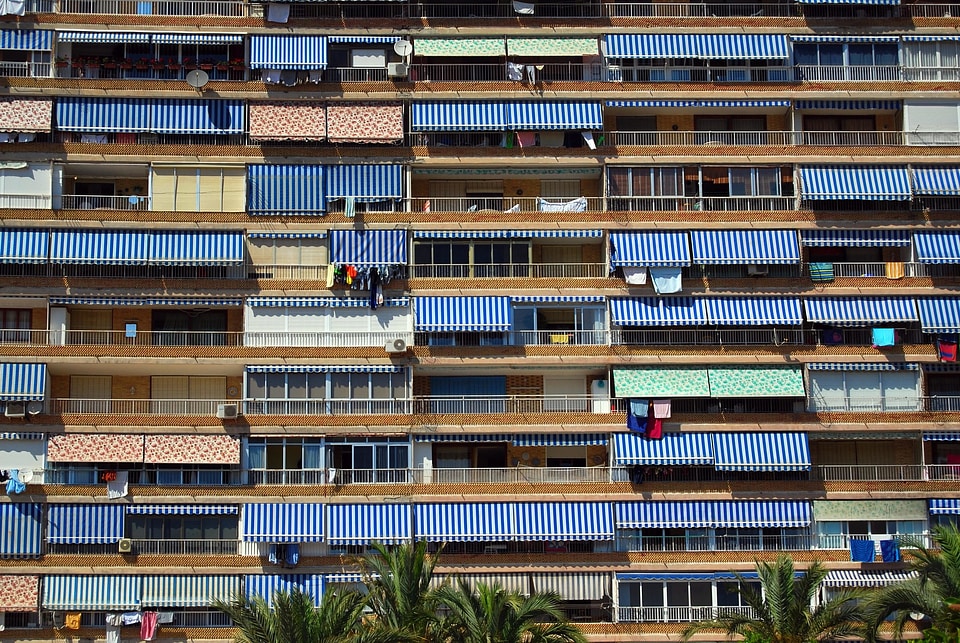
714,337
887,472
513,475
797,542
885,404
776,138
842,541
325,339
699,74
25,201
137,407
700,10
193,547
283,272
202,618
694,203
466,404
222,8
86,202
550,72
841,73
188,476
327,407
25,69
511,270
677,614
875,269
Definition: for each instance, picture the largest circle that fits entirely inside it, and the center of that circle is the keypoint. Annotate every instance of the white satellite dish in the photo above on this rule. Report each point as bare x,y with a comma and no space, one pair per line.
403,48
197,78
36,407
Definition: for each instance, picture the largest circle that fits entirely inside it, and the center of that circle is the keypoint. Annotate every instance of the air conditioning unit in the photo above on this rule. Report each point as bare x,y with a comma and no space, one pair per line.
227,411
396,346
125,545
15,410
397,70
756,270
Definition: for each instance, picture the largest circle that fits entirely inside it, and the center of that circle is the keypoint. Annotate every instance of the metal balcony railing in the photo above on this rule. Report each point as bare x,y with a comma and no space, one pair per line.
85,406
699,74
25,69
542,73
25,201
325,339
885,404
694,203
874,269
200,618
798,542
222,8
714,337
86,202
511,270
842,73
327,407
842,541
700,10
284,272
466,404
193,547
777,138
513,475
187,476
676,614
877,472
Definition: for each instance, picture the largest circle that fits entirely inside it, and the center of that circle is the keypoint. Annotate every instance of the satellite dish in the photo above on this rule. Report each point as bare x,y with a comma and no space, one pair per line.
403,48
197,78
35,407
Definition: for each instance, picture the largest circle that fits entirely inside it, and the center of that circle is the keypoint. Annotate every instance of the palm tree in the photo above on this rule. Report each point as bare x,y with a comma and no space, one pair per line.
294,618
494,615
399,583
781,609
934,593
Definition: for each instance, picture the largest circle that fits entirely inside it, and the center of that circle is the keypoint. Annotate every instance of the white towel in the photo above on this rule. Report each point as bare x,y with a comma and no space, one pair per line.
666,280
118,488
661,409
636,275
523,8
514,71
271,76
277,12
588,139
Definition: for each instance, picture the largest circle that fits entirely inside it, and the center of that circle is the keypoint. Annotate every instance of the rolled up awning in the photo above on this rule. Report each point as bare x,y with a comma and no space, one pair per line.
728,46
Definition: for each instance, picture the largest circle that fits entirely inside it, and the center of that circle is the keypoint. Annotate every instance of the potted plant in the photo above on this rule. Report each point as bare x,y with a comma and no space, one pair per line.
62,62
223,66
141,64
237,64
109,63
126,63
189,63
206,65
158,65
173,65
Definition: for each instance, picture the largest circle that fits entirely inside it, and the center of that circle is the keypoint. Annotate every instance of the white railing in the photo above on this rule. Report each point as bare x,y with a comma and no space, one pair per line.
676,614
327,407
283,272
138,407
510,270
25,69
194,547
505,204
877,269
839,73
444,404
709,204
884,404
325,339
355,74
875,473
842,541
25,201
698,74
157,338
714,543
513,475
225,8
699,10
87,202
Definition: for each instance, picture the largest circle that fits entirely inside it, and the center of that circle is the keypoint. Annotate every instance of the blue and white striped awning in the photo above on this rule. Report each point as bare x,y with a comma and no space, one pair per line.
190,248
555,115
507,234
859,311
449,314
23,435
463,437
84,524
940,506
75,114
855,238
25,39
729,247
103,247
698,104
266,585
560,439
324,368
458,116
558,299
182,510
663,514
192,116
539,521
866,578
937,247
92,593
282,522
860,182
286,190
464,522
361,524
673,449
138,37
846,39
24,245
197,38
324,302
286,235
930,38
754,514
658,311
630,249
859,2
368,247
941,436
936,180
22,382
367,40
754,311
288,52
883,105
862,366
180,302
761,451
939,315
22,532
197,590
698,45
368,183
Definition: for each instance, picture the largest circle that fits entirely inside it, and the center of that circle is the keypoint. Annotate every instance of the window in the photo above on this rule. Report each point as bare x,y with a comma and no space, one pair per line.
301,393
834,534
360,460
864,390
14,325
654,182
285,460
847,61
472,259
559,325
192,527
938,60
753,181
189,327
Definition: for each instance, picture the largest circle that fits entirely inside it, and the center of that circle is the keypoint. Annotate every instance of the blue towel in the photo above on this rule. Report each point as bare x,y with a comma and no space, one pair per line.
635,424
890,551
821,271
884,337
862,551
666,280
272,555
13,484
292,555
640,408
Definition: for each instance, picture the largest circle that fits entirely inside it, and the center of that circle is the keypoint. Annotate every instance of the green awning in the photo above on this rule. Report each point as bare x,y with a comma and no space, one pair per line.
661,381
756,381
553,47
869,510
460,47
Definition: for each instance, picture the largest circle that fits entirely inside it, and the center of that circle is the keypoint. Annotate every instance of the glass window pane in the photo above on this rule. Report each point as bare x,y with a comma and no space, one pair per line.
380,386
651,594
678,595
359,386
296,385
256,386
256,455
276,386
294,456
701,594
193,528
340,385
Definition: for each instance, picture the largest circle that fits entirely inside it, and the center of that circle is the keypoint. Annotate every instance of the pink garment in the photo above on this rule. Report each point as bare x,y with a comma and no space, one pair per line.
527,139
661,409
148,626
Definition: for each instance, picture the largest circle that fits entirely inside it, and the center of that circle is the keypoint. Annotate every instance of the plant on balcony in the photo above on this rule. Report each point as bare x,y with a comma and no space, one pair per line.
61,62
237,64
781,609
933,594
158,64
141,64
223,66
206,65
189,63
126,63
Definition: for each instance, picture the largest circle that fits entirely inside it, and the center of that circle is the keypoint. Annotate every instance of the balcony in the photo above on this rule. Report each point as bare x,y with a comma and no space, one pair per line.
513,475
886,404
847,73
90,202
888,473
222,8
793,542
106,69
186,476
496,72
82,406
700,74
12,69
676,614
165,547
511,271
700,203
283,272
469,405
875,269
773,138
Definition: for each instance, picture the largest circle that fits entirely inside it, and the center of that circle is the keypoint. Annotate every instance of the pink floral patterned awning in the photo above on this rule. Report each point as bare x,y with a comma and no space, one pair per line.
364,122
19,593
192,449
95,447
25,114
288,121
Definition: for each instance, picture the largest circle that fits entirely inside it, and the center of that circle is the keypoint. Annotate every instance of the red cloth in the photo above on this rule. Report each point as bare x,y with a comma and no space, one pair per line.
947,350
148,626
655,428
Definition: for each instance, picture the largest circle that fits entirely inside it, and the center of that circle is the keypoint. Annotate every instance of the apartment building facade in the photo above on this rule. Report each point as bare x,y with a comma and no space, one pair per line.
606,298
